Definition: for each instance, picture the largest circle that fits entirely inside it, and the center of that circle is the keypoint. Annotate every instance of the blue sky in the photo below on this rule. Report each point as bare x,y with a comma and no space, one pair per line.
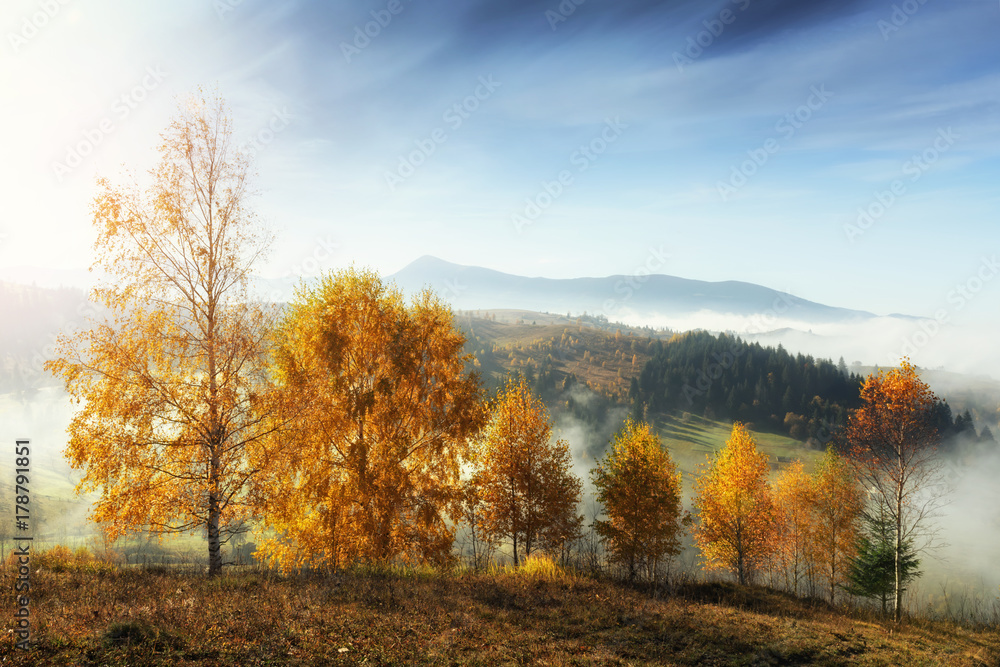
740,138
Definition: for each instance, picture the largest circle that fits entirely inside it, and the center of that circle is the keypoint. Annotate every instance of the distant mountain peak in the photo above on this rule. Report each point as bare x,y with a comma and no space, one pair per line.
425,261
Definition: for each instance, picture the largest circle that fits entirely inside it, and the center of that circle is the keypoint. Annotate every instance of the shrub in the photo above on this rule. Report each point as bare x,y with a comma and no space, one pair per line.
57,559
541,567
61,559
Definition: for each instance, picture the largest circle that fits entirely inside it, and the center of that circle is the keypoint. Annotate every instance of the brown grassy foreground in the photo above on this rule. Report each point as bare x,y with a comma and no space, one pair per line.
135,617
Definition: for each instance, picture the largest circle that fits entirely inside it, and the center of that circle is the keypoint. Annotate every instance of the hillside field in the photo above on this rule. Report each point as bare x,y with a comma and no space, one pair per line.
541,616
693,439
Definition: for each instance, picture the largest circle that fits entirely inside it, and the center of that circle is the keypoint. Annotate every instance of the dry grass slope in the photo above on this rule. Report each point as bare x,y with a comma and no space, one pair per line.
500,618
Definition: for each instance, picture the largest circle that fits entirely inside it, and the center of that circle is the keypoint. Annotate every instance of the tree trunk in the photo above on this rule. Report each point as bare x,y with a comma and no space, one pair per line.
216,438
513,516
475,542
833,564
214,512
898,611
741,574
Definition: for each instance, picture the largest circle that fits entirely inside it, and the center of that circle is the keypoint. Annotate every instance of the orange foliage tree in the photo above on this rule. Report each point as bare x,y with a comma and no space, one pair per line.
735,507
639,486
837,503
528,493
389,412
173,382
892,445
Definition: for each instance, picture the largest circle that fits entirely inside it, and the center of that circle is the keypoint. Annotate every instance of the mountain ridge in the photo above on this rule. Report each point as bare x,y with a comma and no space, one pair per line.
473,287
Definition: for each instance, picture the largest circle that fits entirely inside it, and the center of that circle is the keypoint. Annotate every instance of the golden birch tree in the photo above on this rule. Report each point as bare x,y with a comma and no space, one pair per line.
735,507
173,385
639,487
528,492
793,500
892,445
837,501
390,409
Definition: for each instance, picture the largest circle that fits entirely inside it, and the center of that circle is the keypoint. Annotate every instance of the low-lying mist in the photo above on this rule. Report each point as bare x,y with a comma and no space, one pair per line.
966,528
587,441
952,343
42,416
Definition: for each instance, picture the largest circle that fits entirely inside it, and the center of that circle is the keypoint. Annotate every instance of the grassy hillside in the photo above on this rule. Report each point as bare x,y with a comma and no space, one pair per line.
251,618
691,439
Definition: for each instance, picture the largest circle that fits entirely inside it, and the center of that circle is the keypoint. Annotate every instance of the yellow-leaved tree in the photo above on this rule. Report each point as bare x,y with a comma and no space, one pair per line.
735,507
639,487
838,500
527,491
793,500
389,411
173,384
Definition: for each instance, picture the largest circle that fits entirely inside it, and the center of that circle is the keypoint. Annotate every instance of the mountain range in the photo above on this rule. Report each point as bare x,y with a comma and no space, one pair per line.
618,297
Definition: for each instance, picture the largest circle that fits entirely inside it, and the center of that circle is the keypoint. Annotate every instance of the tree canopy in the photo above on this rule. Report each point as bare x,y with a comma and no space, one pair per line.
737,519
639,487
389,412
528,492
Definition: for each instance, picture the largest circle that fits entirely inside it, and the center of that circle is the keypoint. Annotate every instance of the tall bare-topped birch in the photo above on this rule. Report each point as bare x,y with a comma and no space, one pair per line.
172,384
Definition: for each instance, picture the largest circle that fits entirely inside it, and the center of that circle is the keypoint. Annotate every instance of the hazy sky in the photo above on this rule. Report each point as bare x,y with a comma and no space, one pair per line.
741,138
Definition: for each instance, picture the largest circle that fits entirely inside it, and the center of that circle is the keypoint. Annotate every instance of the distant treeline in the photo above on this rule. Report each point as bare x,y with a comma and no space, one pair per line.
725,377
